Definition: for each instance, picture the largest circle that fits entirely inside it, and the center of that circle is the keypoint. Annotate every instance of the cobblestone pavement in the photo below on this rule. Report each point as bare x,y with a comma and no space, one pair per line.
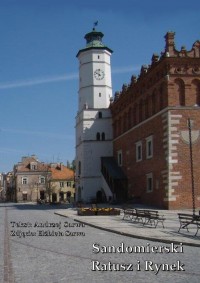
67,253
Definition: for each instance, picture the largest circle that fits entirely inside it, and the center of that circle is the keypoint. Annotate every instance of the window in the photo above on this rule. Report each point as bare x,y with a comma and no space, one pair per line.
79,167
98,136
24,180
99,94
42,180
179,91
119,157
100,115
149,182
61,184
139,151
103,136
149,147
33,166
68,184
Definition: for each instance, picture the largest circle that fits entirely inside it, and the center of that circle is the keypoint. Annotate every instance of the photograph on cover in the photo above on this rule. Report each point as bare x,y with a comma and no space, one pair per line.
100,141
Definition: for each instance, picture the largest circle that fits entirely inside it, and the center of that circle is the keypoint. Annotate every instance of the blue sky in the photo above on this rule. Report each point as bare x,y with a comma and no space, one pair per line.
39,40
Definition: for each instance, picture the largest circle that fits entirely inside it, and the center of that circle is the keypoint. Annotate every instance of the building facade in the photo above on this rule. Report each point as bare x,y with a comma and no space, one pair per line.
35,181
31,179
150,125
61,184
2,187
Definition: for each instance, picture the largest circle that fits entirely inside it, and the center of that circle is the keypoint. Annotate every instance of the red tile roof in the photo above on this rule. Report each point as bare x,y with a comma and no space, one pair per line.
61,172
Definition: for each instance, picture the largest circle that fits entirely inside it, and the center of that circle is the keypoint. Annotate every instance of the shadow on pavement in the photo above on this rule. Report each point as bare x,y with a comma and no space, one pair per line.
34,206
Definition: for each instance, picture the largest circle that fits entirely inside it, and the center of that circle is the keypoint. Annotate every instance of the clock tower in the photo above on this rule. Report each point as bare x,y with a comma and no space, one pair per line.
93,120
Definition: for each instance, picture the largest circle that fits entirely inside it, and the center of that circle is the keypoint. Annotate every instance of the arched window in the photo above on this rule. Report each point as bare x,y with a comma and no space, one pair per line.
103,136
146,108
79,168
153,102
180,88
120,126
130,120
136,114
133,115
140,111
195,86
161,103
98,136
124,123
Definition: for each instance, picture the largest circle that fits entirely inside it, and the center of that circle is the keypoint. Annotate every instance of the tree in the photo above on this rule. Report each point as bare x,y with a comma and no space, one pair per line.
71,165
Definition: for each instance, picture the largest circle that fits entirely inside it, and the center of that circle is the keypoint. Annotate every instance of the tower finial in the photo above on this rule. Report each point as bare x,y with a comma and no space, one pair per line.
95,24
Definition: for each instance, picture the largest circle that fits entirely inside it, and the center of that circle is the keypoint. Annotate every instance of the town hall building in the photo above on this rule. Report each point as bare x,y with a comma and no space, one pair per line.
137,144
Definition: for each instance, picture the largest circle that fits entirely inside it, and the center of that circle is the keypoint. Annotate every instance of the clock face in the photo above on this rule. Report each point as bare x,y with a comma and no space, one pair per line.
99,74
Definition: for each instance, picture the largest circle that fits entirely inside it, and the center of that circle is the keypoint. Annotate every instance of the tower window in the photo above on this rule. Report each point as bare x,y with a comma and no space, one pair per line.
103,136
98,56
100,115
98,136
100,94
79,167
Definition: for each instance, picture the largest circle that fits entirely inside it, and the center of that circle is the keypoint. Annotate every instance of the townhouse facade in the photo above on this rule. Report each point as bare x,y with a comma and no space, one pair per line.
61,183
31,179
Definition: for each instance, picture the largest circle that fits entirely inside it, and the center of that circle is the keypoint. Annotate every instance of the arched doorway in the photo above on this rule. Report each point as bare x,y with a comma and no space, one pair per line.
99,197
42,195
61,196
54,197
68,196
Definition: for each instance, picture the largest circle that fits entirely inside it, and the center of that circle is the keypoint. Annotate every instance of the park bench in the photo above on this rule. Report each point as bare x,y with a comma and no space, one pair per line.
129,213
145,216
189,219
149,217
152,216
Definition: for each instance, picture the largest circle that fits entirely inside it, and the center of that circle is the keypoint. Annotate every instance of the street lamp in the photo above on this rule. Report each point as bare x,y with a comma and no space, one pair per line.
37,191
191,165
190,137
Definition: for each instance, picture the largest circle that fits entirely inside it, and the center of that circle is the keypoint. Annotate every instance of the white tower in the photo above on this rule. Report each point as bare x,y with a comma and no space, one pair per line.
93,121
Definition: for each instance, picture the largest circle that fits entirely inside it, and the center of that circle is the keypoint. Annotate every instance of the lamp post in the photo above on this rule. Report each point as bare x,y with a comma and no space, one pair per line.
191,165
37,191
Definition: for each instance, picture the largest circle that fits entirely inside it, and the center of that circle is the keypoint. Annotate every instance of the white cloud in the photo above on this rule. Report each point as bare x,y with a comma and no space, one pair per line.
38,133
37,81
59,78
